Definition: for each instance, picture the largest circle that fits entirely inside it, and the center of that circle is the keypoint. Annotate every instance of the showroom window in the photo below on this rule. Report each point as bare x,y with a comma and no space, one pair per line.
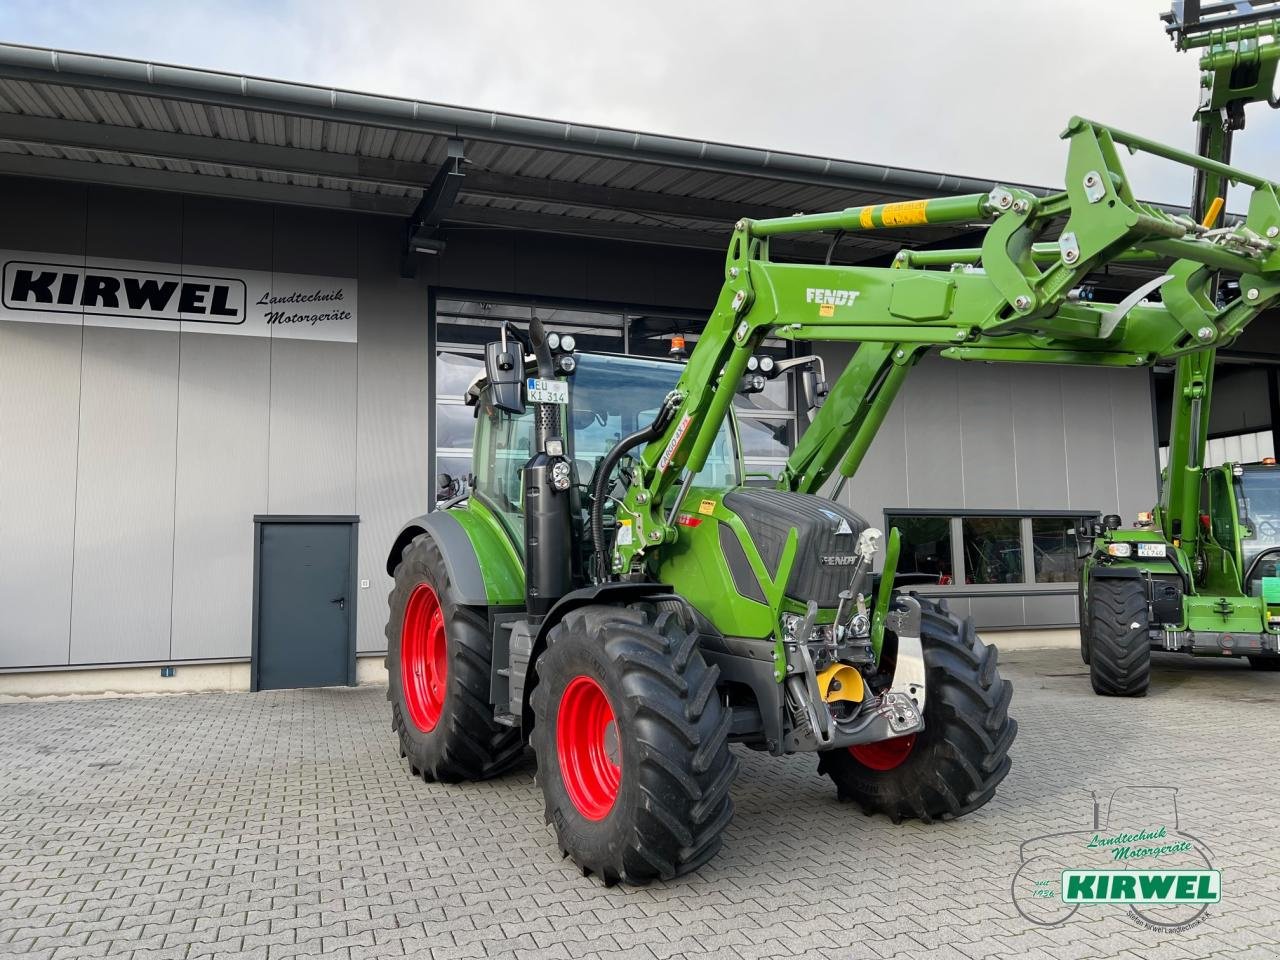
767,420
987,549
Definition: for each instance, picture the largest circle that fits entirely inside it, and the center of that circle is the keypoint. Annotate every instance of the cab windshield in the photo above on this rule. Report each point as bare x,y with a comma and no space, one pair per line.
1258,505
609,398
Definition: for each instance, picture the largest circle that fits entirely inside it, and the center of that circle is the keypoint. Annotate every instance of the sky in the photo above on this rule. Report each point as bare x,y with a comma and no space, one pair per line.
973,87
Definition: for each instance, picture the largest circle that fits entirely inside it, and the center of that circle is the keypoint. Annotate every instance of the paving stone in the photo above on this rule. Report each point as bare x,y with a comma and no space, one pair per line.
283,825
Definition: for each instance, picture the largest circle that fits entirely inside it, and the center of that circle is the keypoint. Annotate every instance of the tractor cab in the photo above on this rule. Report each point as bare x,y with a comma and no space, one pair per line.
606,397
1255,501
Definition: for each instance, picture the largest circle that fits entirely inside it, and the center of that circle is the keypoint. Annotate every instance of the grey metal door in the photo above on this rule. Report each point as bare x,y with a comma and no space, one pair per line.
304,633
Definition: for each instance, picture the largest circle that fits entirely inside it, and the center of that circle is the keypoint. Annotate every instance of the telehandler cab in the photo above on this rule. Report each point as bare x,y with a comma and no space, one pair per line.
607,589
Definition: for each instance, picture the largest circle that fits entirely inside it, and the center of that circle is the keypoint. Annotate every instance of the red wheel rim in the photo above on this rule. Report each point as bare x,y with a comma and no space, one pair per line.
588,749
884,754
424,658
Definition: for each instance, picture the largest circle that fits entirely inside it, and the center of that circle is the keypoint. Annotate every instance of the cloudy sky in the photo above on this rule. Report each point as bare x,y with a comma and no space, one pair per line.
979,87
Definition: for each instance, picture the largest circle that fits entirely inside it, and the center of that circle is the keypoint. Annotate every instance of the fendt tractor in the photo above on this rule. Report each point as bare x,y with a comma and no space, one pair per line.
608,589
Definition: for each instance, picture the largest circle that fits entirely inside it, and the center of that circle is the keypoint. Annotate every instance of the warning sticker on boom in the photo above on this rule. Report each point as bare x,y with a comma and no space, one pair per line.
908,214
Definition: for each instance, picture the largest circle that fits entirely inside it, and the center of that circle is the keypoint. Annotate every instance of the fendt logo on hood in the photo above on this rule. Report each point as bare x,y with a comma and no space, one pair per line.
105,291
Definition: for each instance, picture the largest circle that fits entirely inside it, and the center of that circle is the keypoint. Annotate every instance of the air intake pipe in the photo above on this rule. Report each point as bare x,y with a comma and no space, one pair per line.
548,525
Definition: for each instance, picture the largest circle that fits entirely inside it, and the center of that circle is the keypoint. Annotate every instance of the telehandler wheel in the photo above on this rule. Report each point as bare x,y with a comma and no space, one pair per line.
1265,663
953,766
438,676
632,743
1120,661
1082,607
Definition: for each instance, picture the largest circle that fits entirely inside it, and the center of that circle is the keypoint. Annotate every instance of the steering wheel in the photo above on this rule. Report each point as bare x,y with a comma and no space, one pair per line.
1269,529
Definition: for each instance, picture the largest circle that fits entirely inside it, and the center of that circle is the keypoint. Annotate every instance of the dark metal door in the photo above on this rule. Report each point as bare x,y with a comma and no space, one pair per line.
304,633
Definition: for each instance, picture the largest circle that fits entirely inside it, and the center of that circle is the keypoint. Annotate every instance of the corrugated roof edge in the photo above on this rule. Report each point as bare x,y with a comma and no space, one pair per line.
122,75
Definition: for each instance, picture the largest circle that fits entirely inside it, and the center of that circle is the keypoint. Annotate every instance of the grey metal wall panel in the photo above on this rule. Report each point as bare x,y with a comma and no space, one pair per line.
1039,436
313,427
320,242
474,261
124,497
39,414
43,215
1133,435
543,269
1059,611
1091,452
990,466
935,449
997,611
394,435
219,232
223,425
1240,402
134,224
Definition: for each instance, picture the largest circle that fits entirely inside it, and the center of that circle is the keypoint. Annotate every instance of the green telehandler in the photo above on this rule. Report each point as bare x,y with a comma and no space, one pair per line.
1198,575
608,589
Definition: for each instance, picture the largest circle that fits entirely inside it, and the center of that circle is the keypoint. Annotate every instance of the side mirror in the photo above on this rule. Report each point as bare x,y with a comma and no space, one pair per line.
504,368
815,389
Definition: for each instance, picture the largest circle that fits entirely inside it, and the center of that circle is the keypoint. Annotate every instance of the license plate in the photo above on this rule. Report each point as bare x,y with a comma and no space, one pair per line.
1151,550
548,391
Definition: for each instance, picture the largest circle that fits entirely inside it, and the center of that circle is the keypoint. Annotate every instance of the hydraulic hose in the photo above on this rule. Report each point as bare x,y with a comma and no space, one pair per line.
600,489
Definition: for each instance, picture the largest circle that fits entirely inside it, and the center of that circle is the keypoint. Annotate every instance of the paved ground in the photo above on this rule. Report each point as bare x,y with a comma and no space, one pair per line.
282,824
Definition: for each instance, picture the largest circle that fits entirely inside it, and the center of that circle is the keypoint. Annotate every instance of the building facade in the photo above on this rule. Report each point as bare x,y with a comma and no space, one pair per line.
185,362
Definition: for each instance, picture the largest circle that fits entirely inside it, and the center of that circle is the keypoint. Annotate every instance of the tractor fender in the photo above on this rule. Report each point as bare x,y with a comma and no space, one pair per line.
456,547
1114,572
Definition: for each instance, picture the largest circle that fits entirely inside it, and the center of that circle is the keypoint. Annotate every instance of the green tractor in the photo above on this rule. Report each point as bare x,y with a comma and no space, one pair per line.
608,589
759,623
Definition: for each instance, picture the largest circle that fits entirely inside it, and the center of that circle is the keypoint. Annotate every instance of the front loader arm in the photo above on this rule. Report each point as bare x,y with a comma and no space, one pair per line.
1013,299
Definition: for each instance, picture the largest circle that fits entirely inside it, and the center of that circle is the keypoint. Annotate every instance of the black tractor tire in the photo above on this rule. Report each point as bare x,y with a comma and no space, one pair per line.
954,765
464,742
669,801
1082,606
1120,661
1267,664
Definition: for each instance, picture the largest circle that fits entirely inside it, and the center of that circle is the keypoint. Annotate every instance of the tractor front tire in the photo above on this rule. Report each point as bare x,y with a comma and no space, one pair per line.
1120,651
438,675
953,766
632,743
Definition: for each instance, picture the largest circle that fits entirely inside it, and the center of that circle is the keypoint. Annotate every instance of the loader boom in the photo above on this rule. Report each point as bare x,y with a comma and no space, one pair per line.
1014,298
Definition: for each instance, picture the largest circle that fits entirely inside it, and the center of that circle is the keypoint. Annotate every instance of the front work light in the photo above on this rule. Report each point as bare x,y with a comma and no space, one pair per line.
1120,549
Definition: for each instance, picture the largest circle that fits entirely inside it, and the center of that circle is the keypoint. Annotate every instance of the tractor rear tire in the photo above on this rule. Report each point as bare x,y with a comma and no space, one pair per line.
632,743
438,675
953,766
1120,665
1268,664
1082,606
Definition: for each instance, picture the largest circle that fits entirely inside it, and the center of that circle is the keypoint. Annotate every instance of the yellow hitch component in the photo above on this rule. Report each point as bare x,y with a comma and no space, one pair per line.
841,682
